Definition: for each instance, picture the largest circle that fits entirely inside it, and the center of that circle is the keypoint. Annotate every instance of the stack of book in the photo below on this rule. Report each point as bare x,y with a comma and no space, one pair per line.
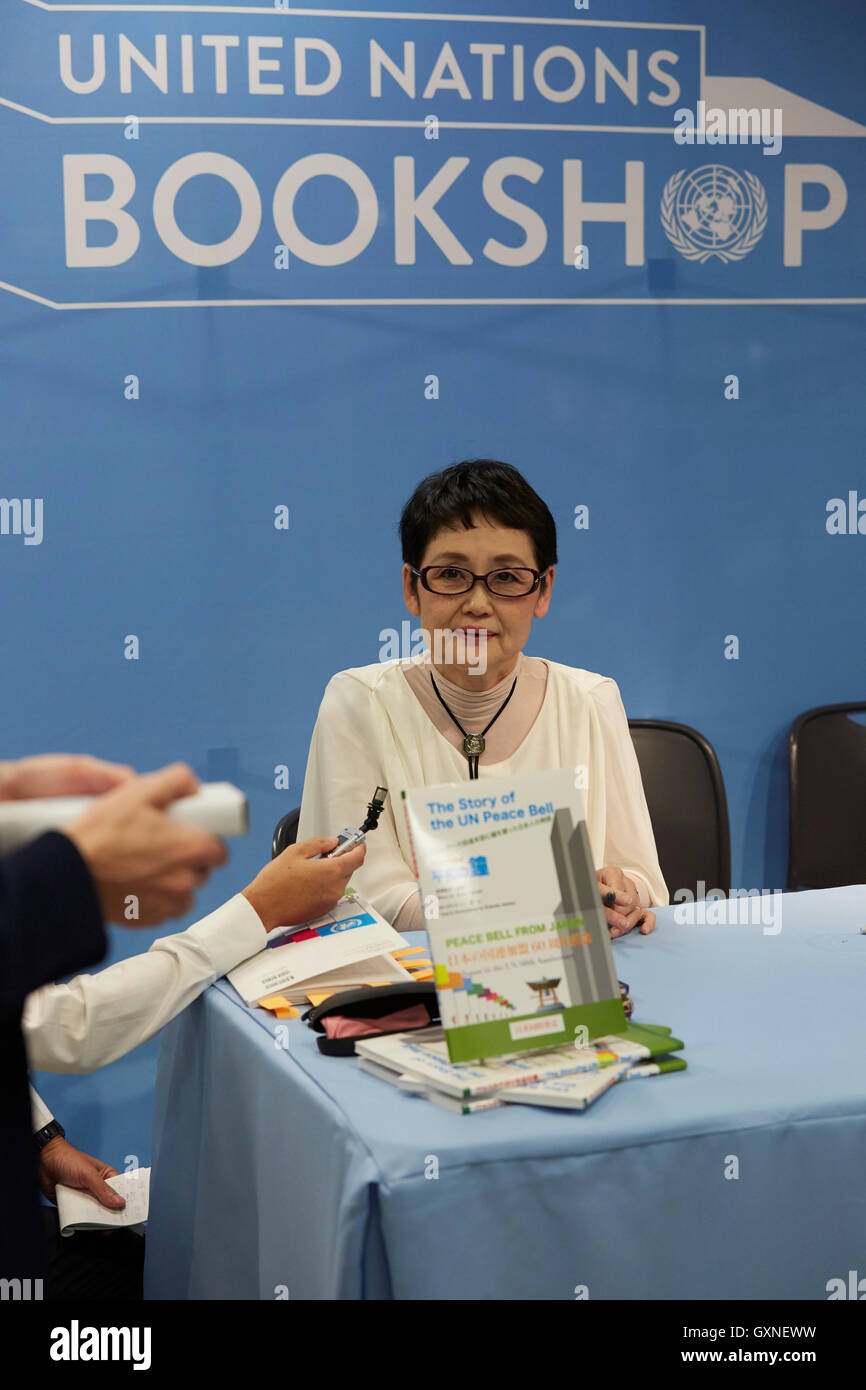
566,1077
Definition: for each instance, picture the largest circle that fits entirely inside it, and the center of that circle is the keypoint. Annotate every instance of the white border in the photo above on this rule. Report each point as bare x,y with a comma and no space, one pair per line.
396,303
334,121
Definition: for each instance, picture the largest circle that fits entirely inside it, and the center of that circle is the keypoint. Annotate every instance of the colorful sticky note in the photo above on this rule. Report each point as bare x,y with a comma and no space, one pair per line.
279,1005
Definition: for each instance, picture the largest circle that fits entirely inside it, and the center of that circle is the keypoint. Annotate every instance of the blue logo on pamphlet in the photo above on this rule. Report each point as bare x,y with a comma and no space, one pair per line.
365,920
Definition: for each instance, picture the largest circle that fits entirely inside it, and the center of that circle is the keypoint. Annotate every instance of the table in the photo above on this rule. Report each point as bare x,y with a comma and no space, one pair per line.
282,1173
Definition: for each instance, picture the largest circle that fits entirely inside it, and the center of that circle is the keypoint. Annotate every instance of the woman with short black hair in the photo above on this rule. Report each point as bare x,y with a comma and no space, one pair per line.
479,551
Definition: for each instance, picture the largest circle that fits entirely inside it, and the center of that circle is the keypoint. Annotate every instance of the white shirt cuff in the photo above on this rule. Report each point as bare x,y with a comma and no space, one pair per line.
39,1111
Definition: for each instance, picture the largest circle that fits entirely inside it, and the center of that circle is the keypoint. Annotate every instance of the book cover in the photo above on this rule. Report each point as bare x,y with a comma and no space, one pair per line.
424,1055
518,934
660,1067
574,1092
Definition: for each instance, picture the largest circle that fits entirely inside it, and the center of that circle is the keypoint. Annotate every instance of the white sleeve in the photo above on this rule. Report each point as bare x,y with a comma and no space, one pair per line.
629,841
94,1019
344,767
41,1115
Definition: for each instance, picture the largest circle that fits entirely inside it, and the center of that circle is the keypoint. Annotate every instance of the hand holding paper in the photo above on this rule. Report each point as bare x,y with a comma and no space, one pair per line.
78,1211
60,1164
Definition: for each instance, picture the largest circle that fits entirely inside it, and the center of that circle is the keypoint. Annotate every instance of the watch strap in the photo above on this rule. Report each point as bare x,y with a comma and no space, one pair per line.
50,1131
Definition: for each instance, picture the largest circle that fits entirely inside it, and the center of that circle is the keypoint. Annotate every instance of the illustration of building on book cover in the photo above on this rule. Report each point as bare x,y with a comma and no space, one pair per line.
518,933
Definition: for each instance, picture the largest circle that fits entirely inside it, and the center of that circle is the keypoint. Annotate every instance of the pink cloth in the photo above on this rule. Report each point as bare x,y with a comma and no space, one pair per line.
338,1026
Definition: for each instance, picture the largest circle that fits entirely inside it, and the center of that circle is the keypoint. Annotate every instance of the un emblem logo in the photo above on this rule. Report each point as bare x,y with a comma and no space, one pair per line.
714,211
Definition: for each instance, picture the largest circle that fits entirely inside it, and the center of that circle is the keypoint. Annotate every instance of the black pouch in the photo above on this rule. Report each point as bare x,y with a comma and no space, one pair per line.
370,1001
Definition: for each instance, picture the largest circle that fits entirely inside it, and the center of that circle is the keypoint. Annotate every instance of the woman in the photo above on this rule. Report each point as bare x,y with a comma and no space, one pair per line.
479,550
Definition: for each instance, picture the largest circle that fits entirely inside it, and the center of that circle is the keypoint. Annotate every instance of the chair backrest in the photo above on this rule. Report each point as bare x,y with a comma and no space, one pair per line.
285,832
827,797
688,808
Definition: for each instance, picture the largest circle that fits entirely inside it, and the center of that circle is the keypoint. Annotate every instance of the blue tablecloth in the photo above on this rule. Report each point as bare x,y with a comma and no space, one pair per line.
282,1173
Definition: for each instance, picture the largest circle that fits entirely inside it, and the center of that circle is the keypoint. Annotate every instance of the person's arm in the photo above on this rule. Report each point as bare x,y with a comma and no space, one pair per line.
131,850
39,1111
60,1162
629,840
344,767
94,1019
411,915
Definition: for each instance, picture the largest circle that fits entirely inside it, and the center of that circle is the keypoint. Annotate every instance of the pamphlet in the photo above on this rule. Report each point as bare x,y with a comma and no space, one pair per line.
349,946
79,1211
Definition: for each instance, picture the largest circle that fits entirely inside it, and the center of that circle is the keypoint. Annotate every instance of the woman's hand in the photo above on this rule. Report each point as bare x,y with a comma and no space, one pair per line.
626,910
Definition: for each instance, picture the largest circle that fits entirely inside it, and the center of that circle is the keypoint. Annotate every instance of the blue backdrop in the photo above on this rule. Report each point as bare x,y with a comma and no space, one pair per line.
164,406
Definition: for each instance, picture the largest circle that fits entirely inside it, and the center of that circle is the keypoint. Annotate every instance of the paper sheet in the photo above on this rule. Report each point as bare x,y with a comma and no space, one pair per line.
78,1210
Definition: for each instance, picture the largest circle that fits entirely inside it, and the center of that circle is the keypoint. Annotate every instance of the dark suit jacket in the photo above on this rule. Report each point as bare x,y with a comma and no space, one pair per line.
50,926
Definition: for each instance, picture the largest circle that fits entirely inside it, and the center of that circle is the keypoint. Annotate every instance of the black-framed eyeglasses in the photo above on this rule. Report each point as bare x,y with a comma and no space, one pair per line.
507,581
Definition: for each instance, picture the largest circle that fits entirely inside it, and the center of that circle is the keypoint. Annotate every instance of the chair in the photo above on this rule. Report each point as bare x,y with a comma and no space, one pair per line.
688,808
827,797
285,832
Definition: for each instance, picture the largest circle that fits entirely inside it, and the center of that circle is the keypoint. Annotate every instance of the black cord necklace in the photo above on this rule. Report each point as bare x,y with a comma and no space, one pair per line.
473,744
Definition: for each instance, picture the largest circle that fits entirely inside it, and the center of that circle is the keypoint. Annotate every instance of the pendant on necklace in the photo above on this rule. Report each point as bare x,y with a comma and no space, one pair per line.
473,745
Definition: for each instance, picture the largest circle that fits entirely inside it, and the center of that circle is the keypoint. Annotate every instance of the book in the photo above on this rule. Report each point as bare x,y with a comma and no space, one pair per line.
403,1080
342,949
579,1089
658,1068
655,1037
461,1107
78,1211
573,1092
518,934
423,1055
416,1086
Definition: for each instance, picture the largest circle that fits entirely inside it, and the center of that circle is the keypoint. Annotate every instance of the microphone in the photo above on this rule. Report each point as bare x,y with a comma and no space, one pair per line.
217,807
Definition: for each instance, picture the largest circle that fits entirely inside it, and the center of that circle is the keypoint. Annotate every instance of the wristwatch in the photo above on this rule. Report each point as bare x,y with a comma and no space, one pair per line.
51,1131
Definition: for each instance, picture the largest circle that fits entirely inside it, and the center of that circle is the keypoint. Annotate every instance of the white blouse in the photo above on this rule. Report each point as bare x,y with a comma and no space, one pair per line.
372,731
